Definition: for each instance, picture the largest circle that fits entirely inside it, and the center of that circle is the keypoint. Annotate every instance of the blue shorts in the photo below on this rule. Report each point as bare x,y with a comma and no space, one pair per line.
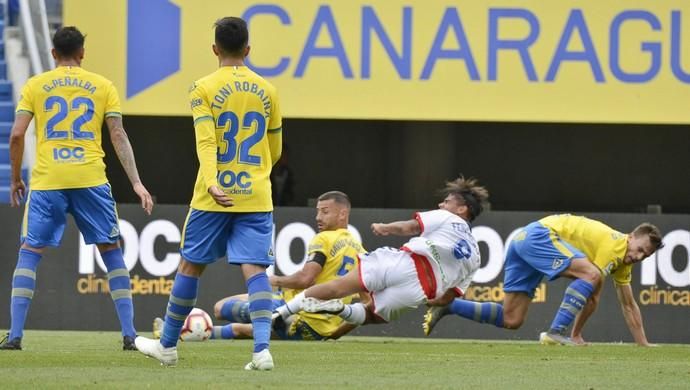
534,253
93,209
245,238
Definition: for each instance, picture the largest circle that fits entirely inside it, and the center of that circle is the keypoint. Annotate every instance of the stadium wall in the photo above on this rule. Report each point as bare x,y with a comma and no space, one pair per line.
71,288
399,164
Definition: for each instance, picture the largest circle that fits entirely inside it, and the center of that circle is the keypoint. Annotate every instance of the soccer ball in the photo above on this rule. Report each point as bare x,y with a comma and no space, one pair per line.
197,327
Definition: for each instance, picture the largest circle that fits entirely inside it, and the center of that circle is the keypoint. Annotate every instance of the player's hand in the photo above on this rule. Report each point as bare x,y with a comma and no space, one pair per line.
379,229
17,192
273,280
220,197
146,200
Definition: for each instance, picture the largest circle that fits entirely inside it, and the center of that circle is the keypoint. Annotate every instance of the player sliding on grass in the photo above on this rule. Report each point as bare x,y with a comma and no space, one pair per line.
571,246
331,254
433,268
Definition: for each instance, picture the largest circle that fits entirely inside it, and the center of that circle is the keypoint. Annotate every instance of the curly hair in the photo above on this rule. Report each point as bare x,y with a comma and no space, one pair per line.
476,197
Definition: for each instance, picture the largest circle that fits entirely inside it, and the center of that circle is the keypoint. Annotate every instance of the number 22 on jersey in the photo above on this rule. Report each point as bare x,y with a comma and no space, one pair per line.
62,109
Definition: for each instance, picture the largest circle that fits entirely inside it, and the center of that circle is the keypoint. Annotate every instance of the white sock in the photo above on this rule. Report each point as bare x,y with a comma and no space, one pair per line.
354,314
292,307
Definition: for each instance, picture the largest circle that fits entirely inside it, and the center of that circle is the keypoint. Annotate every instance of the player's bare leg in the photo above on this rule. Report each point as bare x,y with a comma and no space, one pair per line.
218,307
324,297
317,300
515,306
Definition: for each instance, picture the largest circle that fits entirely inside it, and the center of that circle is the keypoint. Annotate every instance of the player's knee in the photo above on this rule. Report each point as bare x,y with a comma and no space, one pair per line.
593,276
102,248
217,310
190,269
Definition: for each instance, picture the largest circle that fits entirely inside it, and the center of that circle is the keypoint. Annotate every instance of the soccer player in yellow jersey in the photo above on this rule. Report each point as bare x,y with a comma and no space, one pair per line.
332,253
571,246
69,106
238,139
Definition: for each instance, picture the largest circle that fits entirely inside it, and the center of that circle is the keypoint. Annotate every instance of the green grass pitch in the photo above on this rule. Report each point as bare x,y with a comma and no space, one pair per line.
56,359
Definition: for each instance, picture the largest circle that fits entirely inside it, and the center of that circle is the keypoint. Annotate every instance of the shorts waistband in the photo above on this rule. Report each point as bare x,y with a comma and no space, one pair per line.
425,273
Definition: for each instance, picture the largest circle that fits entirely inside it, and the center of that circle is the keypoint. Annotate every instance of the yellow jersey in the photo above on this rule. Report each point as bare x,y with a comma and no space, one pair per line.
602,245
69,105
341,250
238,131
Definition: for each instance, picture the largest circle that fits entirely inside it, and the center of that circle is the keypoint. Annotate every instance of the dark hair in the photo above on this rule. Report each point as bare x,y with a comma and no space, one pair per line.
650,231
232,36
67,41
338,197
473,195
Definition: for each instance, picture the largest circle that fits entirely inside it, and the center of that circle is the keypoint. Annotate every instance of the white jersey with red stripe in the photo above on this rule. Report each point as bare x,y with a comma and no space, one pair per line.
447,241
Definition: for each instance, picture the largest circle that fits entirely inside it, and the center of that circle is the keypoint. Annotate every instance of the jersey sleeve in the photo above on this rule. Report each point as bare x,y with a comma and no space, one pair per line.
317,245
275,130
430,220
26,100
275,121
205,132
201,109
112,103
623,275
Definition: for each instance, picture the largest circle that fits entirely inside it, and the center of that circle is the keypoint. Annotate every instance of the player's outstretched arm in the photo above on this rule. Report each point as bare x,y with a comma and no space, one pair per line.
301,279
632,314
17,187
398,228
124,152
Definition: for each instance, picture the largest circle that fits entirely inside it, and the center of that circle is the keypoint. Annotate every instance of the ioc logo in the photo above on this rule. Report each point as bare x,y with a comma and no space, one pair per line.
229,179
62,154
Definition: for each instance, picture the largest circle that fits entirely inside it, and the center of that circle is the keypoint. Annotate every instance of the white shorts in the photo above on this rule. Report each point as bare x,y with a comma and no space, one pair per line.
391,278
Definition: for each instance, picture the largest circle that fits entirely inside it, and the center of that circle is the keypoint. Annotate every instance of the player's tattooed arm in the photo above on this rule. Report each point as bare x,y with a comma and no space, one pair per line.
398,228
125,154
123,148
